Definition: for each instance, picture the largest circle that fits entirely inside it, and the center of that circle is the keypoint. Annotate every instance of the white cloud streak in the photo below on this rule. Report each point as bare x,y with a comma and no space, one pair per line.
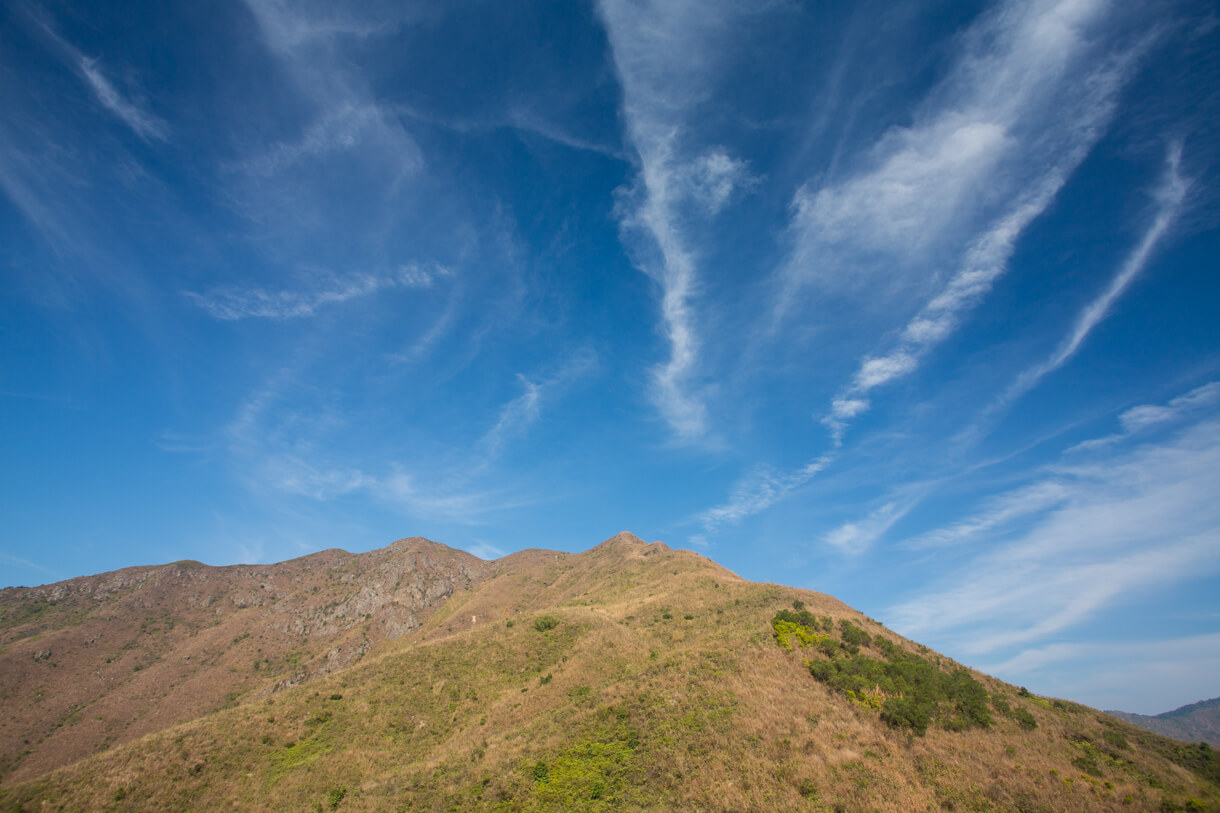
661,51
232,303
1169,199
142,123
993,138
1136,419
281,450
758,491
857,537
997,513
342,128
522,412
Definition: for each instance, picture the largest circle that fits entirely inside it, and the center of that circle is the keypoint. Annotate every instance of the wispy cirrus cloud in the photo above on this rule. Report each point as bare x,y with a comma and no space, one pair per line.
142,122
289,26
343,128
1169,198
997,512
663,52
1097,534
125,107
282,447
314,44
991,134
1138,418
758,490
234,303
1113,674
858,536
990,150
518,415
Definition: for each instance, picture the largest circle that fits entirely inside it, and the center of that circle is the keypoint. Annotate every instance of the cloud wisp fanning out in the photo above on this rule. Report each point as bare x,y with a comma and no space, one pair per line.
992,140
1096,533
663,52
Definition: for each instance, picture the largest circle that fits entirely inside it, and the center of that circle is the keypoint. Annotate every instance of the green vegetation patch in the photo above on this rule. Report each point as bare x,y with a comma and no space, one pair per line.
799,628
297,754
909,690
545,623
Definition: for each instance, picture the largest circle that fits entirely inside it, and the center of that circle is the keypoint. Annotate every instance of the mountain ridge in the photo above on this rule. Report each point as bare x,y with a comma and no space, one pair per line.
1194,722
628,676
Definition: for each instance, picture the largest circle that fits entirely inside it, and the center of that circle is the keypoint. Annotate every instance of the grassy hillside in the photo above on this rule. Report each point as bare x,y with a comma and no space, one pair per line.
634,677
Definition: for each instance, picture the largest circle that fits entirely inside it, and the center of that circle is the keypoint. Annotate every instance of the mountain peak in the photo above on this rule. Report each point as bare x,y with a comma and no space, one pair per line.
627,542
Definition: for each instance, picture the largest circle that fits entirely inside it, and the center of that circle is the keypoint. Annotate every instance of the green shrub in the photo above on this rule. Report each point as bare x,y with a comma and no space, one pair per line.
337,796
853,635
1116,739
903,712
1024,719
1088,764
545,622
788,632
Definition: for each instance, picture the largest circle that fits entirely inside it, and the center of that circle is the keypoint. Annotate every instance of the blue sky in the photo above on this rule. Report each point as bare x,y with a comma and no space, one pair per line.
912,303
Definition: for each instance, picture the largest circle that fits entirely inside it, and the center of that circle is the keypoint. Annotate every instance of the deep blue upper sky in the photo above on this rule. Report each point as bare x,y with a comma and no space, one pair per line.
913,303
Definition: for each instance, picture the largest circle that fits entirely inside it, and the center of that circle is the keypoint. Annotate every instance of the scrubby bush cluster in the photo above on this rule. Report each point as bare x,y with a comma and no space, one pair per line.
543,623
801,628
910,691
915,691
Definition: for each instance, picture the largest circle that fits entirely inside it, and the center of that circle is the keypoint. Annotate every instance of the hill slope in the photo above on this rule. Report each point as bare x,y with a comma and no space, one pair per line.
100,660
1197,722
637,677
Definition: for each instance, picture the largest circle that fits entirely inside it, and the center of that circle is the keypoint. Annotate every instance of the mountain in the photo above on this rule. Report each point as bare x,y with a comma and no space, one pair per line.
630,676
1197,722
97,661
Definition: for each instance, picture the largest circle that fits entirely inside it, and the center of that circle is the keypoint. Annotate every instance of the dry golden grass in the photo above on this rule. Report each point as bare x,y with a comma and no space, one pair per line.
626,704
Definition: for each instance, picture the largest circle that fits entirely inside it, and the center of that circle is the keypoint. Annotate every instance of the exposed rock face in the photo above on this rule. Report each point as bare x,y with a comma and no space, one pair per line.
98,660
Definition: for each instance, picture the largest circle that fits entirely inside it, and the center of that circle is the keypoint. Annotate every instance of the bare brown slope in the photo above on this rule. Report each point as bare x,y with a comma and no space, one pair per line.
99,660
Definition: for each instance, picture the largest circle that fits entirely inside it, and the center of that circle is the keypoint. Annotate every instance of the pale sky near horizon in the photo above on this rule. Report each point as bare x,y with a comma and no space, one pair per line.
912,303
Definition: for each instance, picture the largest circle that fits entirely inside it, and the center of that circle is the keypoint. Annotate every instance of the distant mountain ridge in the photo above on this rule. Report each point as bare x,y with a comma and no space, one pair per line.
631,676
1196,722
